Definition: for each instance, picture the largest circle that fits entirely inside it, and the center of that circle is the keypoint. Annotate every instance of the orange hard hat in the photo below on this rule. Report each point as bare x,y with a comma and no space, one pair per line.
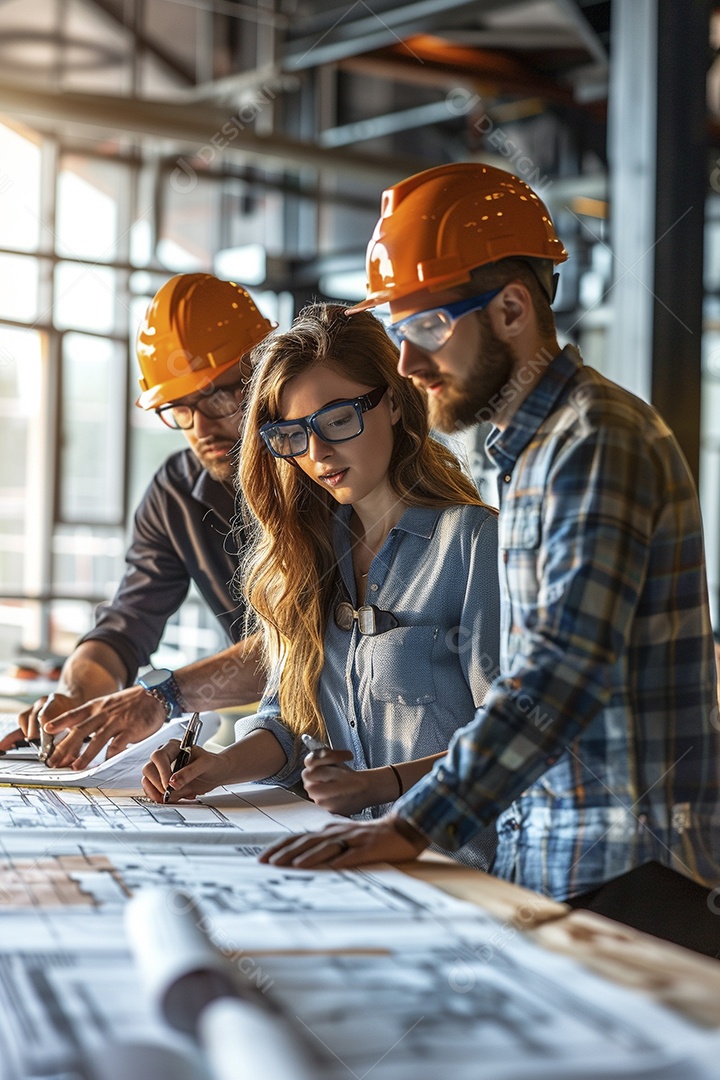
438,226
196,327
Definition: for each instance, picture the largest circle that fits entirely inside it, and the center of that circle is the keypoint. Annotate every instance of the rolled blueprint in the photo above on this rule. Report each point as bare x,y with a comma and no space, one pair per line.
241,1039
197,990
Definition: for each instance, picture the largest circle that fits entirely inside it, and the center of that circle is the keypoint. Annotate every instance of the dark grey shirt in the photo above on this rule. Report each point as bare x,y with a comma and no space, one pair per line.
181,533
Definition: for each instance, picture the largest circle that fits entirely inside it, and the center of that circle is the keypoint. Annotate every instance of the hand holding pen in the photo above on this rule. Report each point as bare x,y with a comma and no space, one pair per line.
326,775
189,739
322,751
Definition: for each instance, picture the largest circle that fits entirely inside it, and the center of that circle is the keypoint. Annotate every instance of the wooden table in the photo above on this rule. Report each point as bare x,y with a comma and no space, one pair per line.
673,976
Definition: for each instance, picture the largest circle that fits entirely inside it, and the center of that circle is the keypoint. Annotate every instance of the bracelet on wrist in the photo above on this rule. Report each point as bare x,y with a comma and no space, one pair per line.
398,777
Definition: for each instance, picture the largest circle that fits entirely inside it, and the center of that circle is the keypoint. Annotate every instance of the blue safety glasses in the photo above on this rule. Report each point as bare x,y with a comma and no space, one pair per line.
430,329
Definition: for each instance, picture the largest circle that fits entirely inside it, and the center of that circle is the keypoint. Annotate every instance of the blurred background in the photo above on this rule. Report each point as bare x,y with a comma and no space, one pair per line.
143,138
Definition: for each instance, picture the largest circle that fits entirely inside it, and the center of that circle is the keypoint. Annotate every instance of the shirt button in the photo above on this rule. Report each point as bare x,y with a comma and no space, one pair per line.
513,824
507,477
373,588
352,723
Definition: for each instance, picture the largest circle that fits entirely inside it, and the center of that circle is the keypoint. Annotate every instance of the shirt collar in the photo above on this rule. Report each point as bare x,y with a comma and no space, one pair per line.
417,520
506,445
214,494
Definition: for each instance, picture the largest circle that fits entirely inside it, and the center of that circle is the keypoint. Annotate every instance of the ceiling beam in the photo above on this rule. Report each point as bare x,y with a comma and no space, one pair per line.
437,112
592,42
352,37
211,132
488,70
148,44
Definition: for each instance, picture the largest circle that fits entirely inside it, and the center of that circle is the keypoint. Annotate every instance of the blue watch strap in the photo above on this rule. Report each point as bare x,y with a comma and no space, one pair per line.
167,692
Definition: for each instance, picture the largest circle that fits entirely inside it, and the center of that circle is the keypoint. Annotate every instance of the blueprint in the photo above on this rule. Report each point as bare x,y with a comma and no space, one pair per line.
381,975
255,809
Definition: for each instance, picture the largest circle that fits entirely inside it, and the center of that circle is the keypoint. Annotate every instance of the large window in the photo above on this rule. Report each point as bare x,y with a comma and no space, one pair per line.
82,250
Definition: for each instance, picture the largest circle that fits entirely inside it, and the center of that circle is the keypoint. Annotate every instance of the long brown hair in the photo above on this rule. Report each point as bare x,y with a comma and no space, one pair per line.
290,569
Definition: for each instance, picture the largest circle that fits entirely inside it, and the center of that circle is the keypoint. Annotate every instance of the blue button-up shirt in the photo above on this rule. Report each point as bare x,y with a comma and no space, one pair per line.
599,744
402,694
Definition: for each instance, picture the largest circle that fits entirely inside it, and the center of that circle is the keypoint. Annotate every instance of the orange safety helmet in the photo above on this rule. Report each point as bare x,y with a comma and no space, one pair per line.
438,226
196,327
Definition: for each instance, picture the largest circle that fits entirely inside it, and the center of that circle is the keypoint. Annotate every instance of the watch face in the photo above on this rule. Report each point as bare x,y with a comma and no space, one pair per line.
155,678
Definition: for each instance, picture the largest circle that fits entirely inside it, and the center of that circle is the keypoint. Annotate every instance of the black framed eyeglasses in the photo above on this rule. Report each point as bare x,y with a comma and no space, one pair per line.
221,404
333,423
430,329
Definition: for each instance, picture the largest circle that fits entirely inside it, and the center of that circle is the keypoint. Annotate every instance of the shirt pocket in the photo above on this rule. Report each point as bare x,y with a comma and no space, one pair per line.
401,665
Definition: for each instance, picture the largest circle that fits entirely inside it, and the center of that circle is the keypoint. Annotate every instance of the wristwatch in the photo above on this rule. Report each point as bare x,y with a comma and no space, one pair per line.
162,685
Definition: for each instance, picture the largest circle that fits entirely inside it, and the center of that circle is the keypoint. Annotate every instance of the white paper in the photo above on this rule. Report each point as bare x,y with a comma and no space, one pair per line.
124,770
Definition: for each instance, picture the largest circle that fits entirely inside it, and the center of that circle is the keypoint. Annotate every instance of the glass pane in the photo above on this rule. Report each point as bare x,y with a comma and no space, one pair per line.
85,298
189,237
92,456
19,292
19,191
20,381
69,620
87,195
87,562
151,442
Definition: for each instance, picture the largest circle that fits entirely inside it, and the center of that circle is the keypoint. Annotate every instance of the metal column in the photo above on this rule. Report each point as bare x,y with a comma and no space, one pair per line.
657,150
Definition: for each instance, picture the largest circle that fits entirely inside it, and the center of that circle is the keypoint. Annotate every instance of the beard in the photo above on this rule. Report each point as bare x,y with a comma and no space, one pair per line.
478,394
221,469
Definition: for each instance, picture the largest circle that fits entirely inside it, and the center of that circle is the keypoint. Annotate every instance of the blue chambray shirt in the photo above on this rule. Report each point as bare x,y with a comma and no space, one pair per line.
599,744
403,693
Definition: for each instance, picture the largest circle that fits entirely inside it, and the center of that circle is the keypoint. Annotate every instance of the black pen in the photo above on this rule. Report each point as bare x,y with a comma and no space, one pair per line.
185,750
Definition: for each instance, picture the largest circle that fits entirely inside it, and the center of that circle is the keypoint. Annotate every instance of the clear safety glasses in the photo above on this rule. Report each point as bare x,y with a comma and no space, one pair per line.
222,403
429,330
334,423
370,620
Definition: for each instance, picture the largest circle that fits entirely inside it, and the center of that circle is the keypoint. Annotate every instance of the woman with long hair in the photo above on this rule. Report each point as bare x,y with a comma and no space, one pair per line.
372,572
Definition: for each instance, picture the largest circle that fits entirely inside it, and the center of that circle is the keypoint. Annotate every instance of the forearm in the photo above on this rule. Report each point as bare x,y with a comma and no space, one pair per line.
93,670
412,771
255,757
347,791
387,783
232,677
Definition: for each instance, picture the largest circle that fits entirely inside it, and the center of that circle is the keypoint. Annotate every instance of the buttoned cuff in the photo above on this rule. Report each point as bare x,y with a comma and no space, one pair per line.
433,807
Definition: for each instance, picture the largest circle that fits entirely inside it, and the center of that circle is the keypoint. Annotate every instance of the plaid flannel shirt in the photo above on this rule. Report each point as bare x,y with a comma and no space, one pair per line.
598,745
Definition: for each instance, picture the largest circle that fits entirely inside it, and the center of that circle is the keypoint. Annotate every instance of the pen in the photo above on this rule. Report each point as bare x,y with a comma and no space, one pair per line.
47,741
185,751
46,744
313,744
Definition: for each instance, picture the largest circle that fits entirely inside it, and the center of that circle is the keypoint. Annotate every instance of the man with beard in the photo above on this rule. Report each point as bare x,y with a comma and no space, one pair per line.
597,746
192,347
